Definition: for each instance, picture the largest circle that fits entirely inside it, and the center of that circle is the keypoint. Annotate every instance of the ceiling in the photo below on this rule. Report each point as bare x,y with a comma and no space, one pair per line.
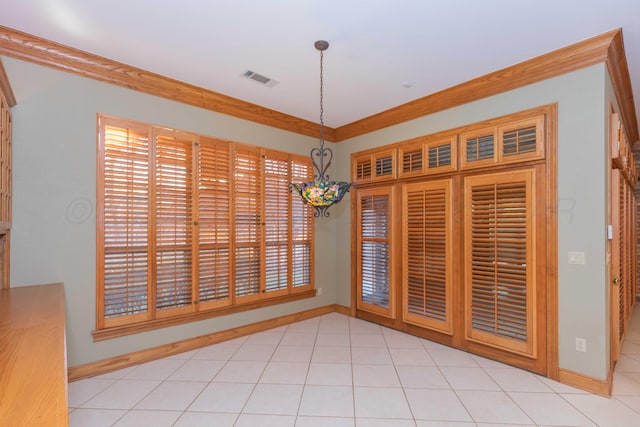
382,53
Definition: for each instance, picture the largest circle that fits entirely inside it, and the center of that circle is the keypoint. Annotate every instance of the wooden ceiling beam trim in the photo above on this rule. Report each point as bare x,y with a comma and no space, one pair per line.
605,47
40,51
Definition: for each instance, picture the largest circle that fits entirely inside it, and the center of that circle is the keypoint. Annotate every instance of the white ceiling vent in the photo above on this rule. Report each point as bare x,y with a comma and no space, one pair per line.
259,78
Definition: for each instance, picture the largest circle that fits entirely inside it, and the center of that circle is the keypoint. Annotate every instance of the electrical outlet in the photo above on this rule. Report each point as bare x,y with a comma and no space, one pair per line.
318,291
581,345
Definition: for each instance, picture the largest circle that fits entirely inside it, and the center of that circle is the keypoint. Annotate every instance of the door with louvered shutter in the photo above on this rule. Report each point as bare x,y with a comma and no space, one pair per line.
301,227
174,222
248,229
500,273
427,240
374,246
124,210
213,223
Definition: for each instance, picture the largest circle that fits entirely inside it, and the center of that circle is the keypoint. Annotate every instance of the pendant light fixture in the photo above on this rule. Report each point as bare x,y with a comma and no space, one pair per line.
321,192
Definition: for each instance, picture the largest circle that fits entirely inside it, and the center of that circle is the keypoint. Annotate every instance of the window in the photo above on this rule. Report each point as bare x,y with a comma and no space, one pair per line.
189,224
374,251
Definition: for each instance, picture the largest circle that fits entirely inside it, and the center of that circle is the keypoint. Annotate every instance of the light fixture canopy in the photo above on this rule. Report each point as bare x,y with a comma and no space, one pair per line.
321,192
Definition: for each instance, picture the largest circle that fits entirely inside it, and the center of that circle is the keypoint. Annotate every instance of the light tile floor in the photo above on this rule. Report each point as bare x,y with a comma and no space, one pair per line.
339,371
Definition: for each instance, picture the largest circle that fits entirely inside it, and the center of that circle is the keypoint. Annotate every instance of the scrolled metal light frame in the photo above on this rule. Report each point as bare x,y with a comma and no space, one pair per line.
321,193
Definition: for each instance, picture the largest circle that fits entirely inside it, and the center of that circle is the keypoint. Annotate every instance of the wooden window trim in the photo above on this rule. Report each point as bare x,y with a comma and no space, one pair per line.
146,315
134,328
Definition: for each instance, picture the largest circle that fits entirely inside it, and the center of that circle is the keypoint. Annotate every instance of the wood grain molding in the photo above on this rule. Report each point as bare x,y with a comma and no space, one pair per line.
119,362
5,87
44,52
606,47
134,328
619,72
584,382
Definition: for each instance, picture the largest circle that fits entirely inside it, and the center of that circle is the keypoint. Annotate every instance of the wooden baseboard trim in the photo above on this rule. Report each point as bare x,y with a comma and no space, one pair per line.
343,310
586,383
119,362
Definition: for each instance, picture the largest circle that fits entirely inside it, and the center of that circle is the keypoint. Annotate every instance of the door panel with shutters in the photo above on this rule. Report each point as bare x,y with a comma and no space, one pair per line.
500,273
427,240
374,247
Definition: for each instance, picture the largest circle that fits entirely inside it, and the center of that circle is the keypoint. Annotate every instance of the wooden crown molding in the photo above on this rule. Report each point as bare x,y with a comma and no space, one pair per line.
607,48
5,87
44,52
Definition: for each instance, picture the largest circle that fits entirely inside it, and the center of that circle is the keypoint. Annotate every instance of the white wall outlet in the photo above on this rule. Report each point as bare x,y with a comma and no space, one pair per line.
581,345
576,258
318,292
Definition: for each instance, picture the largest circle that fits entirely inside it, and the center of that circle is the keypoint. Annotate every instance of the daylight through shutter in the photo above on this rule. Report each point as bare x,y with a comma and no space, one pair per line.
174,219
301,226
125,234
427,263
374,212
214,204
276,190
500,286
247,221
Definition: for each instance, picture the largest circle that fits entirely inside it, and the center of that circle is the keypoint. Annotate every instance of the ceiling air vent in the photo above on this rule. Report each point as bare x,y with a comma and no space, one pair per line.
259,78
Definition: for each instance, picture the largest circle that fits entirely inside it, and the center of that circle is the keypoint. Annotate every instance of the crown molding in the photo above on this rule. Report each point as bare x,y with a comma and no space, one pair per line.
40,51
605,48
5,87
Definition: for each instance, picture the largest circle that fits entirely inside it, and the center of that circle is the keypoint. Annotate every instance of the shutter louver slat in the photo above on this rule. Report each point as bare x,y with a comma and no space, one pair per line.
412,161
480,148
213,221
519,141
427,265
126,234
174,221
499,281
384,166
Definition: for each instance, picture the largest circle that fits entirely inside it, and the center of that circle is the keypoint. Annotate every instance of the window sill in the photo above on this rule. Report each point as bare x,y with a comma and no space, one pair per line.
134,328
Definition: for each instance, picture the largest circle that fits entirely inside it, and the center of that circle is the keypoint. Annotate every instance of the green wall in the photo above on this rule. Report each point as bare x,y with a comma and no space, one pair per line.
53,237
54,187
581,192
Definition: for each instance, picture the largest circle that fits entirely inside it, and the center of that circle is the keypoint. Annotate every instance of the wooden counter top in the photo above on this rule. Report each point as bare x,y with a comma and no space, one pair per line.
33,365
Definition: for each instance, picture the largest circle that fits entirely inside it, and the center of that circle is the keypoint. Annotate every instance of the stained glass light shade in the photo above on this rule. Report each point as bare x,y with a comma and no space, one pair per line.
321,194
